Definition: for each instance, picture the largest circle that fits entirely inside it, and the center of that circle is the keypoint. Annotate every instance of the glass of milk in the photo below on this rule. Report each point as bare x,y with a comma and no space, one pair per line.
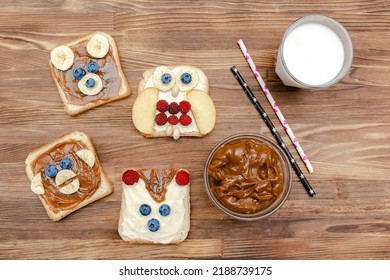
316,51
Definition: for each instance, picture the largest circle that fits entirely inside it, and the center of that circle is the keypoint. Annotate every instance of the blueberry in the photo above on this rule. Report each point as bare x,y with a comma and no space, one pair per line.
93,67
164,210
186,78
90,83
153,225
78,73
145,209
65,163
166,78
51,170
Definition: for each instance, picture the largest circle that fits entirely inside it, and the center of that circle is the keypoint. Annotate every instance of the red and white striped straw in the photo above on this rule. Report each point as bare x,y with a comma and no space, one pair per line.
275,106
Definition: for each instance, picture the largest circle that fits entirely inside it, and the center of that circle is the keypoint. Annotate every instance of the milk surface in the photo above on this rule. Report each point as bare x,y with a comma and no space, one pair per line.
313,53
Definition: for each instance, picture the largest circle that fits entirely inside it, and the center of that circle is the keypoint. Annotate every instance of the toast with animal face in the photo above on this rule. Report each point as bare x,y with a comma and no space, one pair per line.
88,72
155,206
174,101
66,175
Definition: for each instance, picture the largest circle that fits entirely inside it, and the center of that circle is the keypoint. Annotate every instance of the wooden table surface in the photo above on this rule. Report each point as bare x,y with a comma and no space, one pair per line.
344,129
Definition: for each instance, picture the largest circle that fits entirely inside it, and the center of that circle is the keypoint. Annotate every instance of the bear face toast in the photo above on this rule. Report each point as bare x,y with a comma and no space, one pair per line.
88,72
67,175
174,101
155,206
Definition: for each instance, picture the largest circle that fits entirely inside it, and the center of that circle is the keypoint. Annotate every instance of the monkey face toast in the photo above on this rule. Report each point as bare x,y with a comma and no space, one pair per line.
66,175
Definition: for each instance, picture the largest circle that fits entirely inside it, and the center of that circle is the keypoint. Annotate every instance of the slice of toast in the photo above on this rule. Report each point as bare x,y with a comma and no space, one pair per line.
155,206
154,121
115,85
92,181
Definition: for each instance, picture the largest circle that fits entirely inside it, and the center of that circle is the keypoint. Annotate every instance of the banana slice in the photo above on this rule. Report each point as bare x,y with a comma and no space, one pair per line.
163,78
187,78
98,46
62,57
36,184
87,156
64,175
71,187
90,90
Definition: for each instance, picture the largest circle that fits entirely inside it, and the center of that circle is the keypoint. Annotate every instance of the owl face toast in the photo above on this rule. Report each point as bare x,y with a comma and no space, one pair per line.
88,73
155,206
66,175
174,101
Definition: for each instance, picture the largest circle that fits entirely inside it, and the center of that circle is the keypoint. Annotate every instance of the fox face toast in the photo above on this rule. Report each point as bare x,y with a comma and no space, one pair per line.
174,101
66,175
155,206
88,72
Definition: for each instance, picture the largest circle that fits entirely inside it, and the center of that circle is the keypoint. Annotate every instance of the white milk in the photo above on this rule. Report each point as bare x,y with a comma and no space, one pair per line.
313,53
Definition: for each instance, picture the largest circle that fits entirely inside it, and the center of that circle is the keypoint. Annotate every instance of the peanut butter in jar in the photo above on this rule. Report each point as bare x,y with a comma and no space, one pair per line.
247,176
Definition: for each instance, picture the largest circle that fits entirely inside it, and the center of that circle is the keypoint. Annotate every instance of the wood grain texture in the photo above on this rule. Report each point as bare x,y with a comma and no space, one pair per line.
344,130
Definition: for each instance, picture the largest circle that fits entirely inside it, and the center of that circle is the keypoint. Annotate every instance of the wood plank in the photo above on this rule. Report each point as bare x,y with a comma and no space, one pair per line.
309,248
344,129
113,248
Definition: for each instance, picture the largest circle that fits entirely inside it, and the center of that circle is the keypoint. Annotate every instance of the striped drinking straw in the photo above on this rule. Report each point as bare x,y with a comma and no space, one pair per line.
275,106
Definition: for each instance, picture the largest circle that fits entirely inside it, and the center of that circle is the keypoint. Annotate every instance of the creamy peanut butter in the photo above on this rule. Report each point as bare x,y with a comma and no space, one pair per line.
156,182
89,178
246,175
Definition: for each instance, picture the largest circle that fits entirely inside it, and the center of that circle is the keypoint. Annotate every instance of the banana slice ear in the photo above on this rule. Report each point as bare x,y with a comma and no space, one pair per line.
36,184
98,46
187,78
163,78
87,156
62,57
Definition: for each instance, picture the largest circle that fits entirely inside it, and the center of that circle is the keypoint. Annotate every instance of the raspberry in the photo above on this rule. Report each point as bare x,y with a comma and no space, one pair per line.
173,119
185,120
174,108
161,119
182,178
185,106
162,106
130,177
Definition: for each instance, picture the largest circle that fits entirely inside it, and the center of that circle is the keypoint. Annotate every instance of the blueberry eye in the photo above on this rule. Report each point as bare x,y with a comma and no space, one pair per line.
166,78
78,73
90,83
93,67
186,78
153,225
51,170
65,163
164,210
145,209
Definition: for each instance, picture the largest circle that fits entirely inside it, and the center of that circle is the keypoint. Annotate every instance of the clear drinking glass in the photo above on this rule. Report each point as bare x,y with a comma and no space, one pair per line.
288,73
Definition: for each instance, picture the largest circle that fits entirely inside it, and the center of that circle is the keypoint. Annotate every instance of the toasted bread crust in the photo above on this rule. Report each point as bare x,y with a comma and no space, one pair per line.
104,189
124,90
